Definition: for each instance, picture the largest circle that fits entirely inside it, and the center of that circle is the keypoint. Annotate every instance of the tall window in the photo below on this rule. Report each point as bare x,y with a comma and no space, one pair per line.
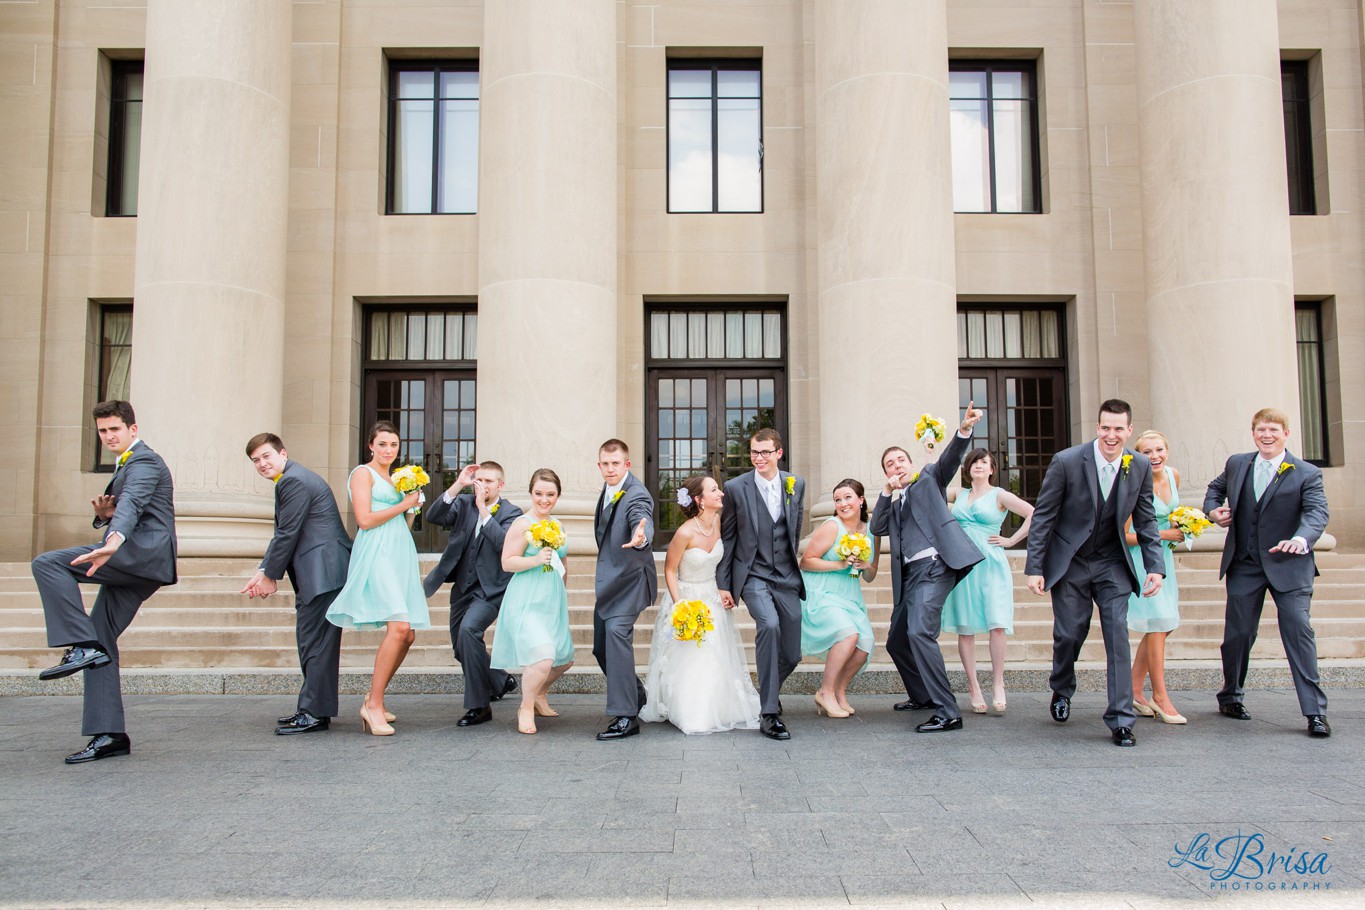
994,123
715,136
125,137
1298,136
433,138
1312,384
115,360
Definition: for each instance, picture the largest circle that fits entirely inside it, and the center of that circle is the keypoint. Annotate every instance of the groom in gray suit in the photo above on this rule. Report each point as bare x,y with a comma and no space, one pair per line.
312,547
1275,511
930,553
1076,550
626,584
472,563
760,528
134,559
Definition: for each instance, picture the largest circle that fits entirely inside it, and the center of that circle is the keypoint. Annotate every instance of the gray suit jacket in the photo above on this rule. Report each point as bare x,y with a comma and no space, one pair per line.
929,509
1064,515
626,581
462,516
144,513
739,528
1294,505
310,543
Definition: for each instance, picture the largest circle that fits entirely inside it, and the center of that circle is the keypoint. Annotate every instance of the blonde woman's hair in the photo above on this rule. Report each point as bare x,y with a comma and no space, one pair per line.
1152,434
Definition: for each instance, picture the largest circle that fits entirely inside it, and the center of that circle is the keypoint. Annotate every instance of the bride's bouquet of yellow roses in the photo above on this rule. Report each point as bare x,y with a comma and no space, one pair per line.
546,534
929,430
1188,521
408,478
691,620
854,546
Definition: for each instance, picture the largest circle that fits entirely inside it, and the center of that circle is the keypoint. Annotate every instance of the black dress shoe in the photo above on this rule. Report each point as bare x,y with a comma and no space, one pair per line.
937,724
475,716
507,689
619,729
1060,708
1123,736
772,727
303,722
75,660
911,705
1234,709
1318,725
106,745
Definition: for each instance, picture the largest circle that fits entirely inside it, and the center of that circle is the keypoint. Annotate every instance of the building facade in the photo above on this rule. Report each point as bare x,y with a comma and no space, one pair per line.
520,227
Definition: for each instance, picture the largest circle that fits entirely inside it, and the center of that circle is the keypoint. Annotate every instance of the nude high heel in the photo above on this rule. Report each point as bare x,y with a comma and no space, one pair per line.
526,721
544,710
1176,718
822,708
376,729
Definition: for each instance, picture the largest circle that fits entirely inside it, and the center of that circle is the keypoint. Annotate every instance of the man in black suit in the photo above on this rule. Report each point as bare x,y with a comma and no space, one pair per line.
1274,509
312,547
930,553
472,563
135,557
1076,550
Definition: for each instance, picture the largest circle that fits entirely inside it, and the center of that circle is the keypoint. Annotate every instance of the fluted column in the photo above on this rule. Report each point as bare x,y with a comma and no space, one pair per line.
547,246
887,285
1215,226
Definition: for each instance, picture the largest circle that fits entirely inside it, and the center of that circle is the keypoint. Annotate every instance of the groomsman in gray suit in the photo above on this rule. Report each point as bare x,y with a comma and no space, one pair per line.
312,547
1275,510
930,553
626,583
1076,551
135,557
760,528
472,563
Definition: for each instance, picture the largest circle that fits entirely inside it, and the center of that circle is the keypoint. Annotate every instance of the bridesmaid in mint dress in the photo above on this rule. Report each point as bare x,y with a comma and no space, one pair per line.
983,601
533,625
834,622
383,583
1157,616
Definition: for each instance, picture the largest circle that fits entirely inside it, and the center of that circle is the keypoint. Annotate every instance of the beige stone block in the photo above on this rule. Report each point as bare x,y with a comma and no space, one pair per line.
1022,26
312,147
312,187
1106,22
720,25
311,230
361,153
315,64
413,25
1302,25
1111,64
636,30
1063,108
311,105
23,274
1067,148
20,319
317,23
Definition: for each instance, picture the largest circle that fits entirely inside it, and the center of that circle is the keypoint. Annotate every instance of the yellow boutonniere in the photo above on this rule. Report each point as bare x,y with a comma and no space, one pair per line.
914,477
791,485
123,459
617,497
493,509
1284,466
1127,460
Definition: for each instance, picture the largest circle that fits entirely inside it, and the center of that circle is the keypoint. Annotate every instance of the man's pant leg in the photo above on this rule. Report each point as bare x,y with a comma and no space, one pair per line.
480,679
898,644
930,582
1301,647
1071,611
1246,587
759,601
59,587
613,644
787,603
114,609
1112,588
319,656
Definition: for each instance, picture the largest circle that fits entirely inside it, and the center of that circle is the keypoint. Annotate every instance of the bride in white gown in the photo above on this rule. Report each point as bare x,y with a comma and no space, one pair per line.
699,688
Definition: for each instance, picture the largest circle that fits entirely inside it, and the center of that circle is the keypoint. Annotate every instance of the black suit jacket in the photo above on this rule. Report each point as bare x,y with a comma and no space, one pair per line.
928,509
310,544
462,516
144,513
1294,505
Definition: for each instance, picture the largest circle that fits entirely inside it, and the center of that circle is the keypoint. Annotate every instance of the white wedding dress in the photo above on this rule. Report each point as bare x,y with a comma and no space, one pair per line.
699,688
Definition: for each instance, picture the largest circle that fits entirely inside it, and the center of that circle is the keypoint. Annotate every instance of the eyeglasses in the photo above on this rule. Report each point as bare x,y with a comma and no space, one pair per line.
762,453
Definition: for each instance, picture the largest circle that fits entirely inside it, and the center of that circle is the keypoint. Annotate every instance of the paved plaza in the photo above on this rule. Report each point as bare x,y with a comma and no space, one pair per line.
212,809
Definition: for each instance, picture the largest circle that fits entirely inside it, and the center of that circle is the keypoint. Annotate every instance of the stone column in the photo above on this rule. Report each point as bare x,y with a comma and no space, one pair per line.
547,247
1215,226
209,289
887,284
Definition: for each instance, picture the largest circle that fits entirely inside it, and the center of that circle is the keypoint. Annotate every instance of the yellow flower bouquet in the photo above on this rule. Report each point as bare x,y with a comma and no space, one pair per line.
929,430
857,547
408,478
547,534
1188,521
691,620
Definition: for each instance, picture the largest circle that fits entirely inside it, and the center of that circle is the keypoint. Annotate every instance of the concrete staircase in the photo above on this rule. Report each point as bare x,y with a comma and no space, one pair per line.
203,624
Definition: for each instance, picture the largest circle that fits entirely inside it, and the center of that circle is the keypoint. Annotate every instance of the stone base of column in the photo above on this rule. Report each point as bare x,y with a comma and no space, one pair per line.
223,528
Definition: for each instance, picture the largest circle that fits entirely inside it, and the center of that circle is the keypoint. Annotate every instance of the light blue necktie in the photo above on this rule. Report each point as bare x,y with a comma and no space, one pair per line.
1107,479
1262,478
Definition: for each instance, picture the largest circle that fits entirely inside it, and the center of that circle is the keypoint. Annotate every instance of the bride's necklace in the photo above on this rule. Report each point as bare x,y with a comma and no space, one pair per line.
701,528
